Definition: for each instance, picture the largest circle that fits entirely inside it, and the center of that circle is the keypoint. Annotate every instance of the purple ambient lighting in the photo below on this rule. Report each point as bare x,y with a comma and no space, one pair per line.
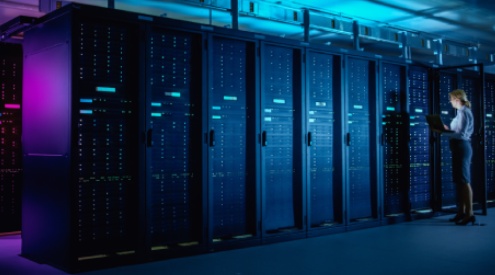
12,106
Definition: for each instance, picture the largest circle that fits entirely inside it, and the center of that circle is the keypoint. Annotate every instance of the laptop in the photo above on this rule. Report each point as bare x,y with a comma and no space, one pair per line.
436,123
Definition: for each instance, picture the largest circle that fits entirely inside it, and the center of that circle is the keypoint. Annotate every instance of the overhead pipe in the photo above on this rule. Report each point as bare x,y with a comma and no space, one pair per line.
355,33
234,12
306,23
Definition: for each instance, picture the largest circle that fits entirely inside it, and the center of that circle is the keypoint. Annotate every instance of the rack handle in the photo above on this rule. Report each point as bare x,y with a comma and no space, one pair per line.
212,138
264,141
149,138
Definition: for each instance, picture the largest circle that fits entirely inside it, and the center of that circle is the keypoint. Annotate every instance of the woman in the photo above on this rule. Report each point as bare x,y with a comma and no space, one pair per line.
460,145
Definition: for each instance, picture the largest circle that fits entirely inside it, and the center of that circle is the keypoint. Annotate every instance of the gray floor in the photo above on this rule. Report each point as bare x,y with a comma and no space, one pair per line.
427,246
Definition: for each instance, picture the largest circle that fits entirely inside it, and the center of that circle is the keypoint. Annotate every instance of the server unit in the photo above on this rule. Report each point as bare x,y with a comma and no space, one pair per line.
10,136
394,140
360,128
80,140
446,195
174,174
420,173
489,135
281,140
469,80
323,176
232,141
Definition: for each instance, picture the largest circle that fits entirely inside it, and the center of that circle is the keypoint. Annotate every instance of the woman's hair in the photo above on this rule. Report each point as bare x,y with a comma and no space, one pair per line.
461,95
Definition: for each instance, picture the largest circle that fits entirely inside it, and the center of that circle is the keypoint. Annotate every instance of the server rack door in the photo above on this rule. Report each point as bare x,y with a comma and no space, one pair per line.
281,139
47,208
420,191
106,139
174,185
322,83
361,149
232,140
10,136
489,130
395,139
447,197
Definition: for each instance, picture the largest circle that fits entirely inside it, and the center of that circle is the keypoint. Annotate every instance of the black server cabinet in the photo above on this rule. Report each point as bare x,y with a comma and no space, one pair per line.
394,140
361,143
232,141
446,190
174,176
281,140
10,136
323,150
420,171
80,139
489,136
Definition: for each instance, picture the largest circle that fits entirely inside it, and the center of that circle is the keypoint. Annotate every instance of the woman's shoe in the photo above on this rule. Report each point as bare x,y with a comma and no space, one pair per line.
471,220
458,217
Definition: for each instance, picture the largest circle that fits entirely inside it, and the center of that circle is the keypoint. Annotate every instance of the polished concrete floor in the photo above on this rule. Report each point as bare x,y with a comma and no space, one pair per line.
425,246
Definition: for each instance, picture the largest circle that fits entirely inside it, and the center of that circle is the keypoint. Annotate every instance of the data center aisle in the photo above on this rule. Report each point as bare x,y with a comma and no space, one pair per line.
427,246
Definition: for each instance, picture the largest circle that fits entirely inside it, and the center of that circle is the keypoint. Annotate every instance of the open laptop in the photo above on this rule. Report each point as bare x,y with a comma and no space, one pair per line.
436,123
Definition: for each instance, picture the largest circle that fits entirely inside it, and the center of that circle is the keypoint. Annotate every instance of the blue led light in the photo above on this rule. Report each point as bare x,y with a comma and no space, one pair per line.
86,100
156,114
279,101
216,117
156,104
106,89
173,94
389,108
216,108
86,112
226,97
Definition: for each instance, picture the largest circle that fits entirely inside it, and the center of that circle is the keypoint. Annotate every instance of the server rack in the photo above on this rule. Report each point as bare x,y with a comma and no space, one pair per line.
420,175
175,195
80,141
489,135
361,141
281,141
323,120
10,136
471,81
232,142
394,140
446,195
